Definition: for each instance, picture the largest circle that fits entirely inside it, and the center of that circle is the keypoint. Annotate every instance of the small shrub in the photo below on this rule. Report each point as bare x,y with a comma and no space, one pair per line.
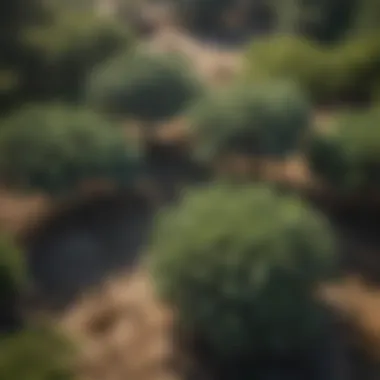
348,156
53,148
144,86
266,120
240,265
68,48
34,354
287,58
344,72
281,56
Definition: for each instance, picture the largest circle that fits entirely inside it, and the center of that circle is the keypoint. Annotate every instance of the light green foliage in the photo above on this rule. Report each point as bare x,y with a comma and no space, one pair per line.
284,57
328,74
348,156
79,35
267,119
145,86
53,148
34,354
240,265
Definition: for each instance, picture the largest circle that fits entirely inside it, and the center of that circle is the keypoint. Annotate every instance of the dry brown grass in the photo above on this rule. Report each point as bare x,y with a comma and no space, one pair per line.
123,332
358,303
21,213
18,211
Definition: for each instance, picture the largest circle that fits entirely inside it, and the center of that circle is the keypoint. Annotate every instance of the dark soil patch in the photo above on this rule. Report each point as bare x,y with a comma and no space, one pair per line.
79,247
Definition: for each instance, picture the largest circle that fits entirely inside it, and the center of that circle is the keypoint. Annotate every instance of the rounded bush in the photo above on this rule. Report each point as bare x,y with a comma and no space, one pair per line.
35,354
53,148
343,72
265,120
240,265
145,86
348,156
284,57
281,56
67,47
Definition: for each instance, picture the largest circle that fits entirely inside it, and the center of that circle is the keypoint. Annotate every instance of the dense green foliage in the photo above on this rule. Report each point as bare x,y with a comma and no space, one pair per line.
12,281
240,265
145,86
345,72
68,48
25,352
54,147
348,156
34,354
12,267
264,120
49,51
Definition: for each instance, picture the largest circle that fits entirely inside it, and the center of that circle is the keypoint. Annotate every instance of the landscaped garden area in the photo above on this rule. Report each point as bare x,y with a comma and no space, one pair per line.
164,216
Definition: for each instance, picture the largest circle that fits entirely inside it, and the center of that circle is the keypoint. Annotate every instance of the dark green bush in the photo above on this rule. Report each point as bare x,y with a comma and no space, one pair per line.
240,265
67,48
203,15
53,148
265,120
344,72
348,156
35,354
12,282
144,86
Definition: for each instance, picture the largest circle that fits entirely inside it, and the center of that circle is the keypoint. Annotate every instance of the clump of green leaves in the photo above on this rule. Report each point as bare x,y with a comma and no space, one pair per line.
68,47
343,72
53,148
265,120
12,266
348,156
35,354
241,264
13,278
144,86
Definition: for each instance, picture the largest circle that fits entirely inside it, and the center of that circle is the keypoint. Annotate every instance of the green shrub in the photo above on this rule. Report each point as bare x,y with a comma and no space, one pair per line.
240,265
12,266
265,120
329,74
354,67
53,148
34,354
68,47
281,56
12,281
348,156
144,86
